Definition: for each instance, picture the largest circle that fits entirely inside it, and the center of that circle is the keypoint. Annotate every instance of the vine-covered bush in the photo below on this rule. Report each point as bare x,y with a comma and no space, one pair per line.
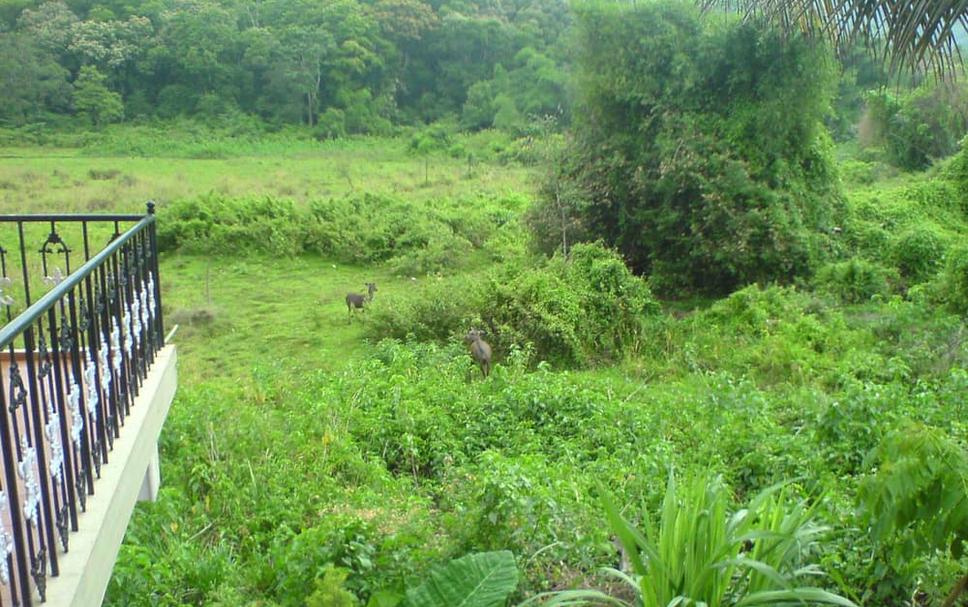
573,311
418,238
953,285
919,251
856,280
698,149
920,126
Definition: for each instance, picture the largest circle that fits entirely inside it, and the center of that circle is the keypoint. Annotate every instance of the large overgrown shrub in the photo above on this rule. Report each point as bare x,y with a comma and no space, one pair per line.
920,126
698,149
953,286
856,280
919,251
578,310
417,238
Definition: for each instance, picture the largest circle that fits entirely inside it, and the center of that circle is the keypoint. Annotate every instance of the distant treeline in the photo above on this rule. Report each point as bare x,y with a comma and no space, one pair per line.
339,66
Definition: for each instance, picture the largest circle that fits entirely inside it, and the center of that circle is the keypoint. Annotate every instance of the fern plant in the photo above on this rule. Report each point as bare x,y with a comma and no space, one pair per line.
702,554
919,490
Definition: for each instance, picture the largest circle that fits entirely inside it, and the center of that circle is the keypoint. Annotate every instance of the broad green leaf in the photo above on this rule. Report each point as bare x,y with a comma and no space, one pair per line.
805,595
483,579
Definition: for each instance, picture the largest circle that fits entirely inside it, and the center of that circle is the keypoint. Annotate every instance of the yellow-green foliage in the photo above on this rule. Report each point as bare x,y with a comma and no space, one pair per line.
910,225
953,285
856,280
579,310
419,239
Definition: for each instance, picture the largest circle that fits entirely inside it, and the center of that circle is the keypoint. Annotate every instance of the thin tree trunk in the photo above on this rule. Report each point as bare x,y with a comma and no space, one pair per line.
564,224
957,591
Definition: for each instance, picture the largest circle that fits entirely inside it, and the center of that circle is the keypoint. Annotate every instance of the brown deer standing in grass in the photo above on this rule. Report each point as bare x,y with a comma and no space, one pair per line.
357,300
480,350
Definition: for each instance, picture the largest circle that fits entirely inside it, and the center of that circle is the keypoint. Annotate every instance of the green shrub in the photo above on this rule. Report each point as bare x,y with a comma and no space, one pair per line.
697,552
953,286
698,149
213,223
587,308
920,126
856,280
919,251
418,238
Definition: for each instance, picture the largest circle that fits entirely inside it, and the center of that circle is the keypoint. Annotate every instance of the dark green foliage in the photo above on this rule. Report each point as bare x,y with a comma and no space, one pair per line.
954,280
339,68
33,81
919,126
919,486
919,251
856,280
698,150
576,311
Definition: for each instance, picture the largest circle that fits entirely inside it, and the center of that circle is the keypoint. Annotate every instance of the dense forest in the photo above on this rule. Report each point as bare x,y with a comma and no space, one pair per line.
342,67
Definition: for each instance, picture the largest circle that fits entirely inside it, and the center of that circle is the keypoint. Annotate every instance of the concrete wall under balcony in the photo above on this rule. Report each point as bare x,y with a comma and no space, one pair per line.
131,474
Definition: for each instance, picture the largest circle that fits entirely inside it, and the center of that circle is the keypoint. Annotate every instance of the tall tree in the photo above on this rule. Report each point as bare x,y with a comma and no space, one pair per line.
93,99
33,81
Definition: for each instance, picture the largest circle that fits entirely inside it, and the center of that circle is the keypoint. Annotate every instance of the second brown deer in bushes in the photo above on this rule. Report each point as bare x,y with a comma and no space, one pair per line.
358,300
480,350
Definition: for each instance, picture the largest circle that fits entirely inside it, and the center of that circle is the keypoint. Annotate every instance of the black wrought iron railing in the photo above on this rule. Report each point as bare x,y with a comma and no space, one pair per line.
73,361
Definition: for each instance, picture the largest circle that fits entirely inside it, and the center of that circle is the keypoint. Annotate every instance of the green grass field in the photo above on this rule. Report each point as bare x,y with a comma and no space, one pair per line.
74,180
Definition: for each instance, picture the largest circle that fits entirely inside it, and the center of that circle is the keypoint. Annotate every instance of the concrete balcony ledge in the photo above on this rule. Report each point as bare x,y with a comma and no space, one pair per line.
130,475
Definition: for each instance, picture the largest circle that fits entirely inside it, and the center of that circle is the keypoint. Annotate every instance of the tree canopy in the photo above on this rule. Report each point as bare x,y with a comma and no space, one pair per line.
358,65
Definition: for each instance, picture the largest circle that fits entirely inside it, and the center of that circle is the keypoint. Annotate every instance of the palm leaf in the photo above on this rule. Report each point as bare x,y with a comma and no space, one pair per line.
915,35
799,595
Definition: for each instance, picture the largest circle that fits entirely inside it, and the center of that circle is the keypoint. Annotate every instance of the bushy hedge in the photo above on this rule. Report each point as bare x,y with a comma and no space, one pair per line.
953,287
416,238
572,311
856,280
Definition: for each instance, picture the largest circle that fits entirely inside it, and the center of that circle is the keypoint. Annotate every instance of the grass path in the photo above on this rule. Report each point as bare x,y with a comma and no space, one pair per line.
235,314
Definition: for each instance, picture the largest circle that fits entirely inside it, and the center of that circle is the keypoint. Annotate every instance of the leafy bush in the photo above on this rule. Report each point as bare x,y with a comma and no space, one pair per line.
213,223
417,238
856,280
953,286
698,149
572,311
922,125
919,251
700,554
915,501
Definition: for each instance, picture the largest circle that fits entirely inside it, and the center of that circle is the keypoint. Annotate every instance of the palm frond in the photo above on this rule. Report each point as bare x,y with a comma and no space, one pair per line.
913,35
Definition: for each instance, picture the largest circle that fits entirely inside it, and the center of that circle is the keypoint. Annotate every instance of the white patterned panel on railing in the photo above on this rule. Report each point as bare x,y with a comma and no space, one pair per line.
135,323
128,339
102,361
77,419
5,283
6,542
25,470
53,431
145,318
151,297
90,380
116,347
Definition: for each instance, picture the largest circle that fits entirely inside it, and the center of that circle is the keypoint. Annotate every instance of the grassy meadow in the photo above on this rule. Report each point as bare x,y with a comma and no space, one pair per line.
95,178
303,441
